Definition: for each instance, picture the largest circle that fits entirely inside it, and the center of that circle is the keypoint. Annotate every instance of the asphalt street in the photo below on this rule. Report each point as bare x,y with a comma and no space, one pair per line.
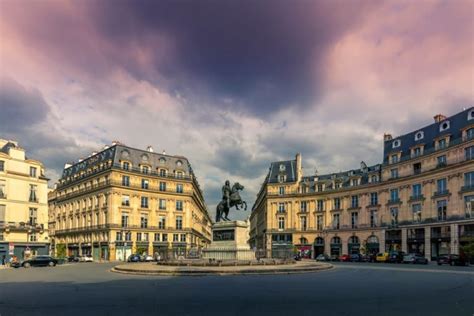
349,289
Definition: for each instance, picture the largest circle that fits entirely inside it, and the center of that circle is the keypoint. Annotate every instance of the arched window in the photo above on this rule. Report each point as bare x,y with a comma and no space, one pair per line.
353,240
303,241
336,240
372,240
319,241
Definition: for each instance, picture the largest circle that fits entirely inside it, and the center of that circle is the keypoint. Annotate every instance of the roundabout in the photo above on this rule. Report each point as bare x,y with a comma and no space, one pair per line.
230,267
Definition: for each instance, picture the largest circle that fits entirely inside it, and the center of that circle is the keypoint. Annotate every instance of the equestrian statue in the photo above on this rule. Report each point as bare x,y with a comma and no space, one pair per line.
230,198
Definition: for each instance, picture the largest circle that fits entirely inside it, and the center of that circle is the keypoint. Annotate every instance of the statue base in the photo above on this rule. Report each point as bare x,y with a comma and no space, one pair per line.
230,242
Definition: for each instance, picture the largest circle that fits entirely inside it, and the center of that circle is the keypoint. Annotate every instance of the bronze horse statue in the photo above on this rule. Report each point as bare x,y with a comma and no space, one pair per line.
222,211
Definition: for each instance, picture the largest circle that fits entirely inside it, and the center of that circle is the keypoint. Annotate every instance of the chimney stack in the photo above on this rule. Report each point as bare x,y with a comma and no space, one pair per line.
387,137
150,149
439,118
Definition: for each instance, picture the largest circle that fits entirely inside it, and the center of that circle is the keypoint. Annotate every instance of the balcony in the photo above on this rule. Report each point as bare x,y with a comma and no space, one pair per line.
441,194
395,201
441,165
467,188
33,199
416,198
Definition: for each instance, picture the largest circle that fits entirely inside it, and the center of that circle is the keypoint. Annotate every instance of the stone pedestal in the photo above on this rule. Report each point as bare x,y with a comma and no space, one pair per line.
230,242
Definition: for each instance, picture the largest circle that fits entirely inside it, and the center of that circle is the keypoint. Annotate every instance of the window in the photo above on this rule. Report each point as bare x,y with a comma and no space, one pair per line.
354,219
139,236
355,201
303,222
441,186
419,135
144,202
118,236
164,237
32,237
124,220
2,213
162,222
394,216
3,192
128,236
394,173
179,163
470,133
282,167
416,191
162,160
175,237
281,223
126,181
2,165
444,126
320,205
442,143
319,222
469,179
441,161
144,221
281,207
337,203
179,188
417,168
441,207
416,208
335,221
145,169
469,153
373,179
156,237
469,206
125,165
33,172
303,206
145,184
179,175
125,200
396,143
282,190
162,172
145,237
162,205
394,195
338,185
373,218
374,198
394,158
179,205
33,216
179,222
470,115
281,178
182,238
355,182
162,186
416,151
33,196
320,188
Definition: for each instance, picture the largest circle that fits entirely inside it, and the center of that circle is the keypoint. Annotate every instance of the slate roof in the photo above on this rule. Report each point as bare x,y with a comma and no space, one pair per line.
288,170
432,131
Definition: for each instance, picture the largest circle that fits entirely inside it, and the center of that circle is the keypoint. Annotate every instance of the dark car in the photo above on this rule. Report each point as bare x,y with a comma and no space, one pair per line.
368,258
415,258
345,258
396,256
134,258
40,261
453,260
356,257
323,257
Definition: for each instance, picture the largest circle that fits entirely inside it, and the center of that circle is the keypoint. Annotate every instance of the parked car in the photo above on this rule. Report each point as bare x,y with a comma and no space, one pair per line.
40,261
146,258
334,257
368,258
453,260
382,257
134,258
72,259
415,258
323,257
355,257
85,258
345,258
396,257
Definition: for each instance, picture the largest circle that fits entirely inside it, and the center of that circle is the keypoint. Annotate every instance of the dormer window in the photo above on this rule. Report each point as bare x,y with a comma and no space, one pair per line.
126,165
417,151
444,126
394,158
355,182
282,167
470,115
396,143
179,163
162,160
145,169
419,135
281,178
442,143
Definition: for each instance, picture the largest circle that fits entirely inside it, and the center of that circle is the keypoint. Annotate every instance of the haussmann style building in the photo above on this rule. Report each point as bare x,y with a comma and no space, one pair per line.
123,200
419,199
23,204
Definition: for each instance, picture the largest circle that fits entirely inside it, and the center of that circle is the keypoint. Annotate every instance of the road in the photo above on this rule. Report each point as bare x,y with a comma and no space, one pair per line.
349,289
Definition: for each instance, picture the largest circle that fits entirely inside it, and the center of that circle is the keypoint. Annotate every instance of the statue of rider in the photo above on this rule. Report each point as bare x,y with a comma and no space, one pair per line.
226,191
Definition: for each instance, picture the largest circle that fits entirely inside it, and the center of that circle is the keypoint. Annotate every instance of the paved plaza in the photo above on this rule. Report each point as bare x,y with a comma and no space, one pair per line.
348,289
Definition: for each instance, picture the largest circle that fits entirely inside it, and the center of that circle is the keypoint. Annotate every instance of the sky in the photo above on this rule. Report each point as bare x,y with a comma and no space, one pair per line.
231,85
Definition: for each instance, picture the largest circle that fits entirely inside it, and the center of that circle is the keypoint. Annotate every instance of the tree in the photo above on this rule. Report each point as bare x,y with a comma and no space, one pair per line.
468,249
61,250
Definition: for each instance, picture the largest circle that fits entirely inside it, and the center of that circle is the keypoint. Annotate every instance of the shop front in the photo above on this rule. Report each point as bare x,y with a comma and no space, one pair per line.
282,246
336,247
142,247
123,250
466,237
86,249
318,246
23,251
100,251
178,250
160,249
353,245
73,250
416,241
393,240
372,247
440,241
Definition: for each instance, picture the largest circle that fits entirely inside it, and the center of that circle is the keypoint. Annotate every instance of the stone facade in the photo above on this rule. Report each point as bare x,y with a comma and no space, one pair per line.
124,200
420,199
23,204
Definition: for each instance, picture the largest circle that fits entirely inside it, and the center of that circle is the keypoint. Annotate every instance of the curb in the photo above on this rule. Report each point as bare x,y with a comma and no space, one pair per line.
203,272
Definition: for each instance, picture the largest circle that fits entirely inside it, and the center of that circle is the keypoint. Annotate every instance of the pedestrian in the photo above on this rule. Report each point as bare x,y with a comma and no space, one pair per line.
4,260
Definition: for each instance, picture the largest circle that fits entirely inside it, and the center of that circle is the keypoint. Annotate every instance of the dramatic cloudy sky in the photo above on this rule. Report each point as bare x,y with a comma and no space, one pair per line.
232,85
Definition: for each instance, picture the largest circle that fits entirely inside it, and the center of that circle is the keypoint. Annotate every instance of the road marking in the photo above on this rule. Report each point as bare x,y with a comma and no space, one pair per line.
402,269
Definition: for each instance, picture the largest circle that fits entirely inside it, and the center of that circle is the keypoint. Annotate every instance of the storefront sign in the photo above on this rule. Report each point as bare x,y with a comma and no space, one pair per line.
11,248
222,235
